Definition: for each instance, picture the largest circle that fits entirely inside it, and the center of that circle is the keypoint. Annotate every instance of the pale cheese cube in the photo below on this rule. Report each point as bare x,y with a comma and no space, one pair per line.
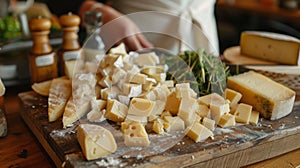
233,96
150,95
147,59
159,77
161,92
141,107
105,81
117,75
165,113
95,141
209,123
173,124
212,98
151,70
136,135
173,103
254,117
168,83
198,132
227,120
158,126
187,109
120,49
270,98
217,110
243,113
110,93
134,118
203,111
115,110
136,78
148,85
124,99
132,90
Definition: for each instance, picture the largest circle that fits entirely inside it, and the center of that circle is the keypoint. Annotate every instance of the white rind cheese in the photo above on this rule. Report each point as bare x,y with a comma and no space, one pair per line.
270,98
271,47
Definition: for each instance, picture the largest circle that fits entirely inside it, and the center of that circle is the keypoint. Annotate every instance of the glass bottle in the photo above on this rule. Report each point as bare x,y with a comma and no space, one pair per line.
42,59
93,45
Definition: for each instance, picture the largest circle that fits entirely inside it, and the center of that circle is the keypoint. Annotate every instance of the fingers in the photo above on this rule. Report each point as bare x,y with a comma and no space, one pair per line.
144,42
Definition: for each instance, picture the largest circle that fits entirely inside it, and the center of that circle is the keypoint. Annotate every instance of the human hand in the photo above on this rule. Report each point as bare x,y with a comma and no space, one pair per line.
119,28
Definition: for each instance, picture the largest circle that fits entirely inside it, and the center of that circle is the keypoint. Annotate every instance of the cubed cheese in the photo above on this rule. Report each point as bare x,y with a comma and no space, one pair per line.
135,135
227,120
173,124
254,117
270,98
115,110
209,123
198,132
141,107
187,110
243,113
172,104
158,126
233,96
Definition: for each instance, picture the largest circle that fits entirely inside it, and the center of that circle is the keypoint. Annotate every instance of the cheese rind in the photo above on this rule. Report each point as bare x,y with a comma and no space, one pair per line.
95,141
271,46
270,98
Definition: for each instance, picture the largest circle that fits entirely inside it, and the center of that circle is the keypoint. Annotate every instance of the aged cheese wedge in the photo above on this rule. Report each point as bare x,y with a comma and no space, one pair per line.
271,47
42,88
2,88
59,94
73,113
95,141
270,98
198,132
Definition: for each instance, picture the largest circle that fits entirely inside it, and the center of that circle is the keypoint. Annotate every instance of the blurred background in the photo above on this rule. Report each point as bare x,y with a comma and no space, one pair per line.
232,16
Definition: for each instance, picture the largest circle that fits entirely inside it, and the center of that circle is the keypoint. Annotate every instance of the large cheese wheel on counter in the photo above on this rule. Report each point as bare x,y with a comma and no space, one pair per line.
270,98
269,46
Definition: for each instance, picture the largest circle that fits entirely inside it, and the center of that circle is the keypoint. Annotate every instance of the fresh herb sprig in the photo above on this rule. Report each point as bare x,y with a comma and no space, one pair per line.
205,72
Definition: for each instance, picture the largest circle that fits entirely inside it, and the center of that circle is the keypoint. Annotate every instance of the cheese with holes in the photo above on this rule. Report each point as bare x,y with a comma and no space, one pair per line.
135,135
95,141
270,98
198,132
271,47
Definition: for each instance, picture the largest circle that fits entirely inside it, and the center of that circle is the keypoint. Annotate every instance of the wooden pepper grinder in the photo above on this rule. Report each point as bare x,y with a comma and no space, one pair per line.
70,49
43,63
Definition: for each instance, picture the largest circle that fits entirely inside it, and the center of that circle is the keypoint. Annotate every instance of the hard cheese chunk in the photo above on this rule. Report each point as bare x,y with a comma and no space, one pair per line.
198,132
60,91
135,135
141,107
270,98
115,111
95,141
270,46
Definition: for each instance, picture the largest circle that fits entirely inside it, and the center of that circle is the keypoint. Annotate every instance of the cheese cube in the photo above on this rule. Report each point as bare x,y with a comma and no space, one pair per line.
161,92
172,104
120,49
273,47
151,70
217,110
209,123
124,99
212,98
203,111
233,96
173,124
95,141
187,110
134,118
136,78
168,83
198,132
148,85
159,77
165,113
159,107
147,59
150,95
259,92
243,113
227,120
132,90
115,110
110,93
254,117
141,107
136,135
118,74
158,126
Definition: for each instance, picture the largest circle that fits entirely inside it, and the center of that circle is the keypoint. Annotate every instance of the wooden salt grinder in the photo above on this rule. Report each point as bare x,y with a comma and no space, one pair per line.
42,59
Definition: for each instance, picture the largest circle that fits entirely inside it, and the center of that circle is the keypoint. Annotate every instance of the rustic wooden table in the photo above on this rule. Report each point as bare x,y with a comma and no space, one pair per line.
20,148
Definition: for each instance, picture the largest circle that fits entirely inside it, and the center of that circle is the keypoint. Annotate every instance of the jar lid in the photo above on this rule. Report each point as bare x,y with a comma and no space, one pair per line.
39,24
69,20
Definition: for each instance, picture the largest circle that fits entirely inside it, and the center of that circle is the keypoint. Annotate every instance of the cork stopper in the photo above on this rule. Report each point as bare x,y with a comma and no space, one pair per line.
39,24
69,20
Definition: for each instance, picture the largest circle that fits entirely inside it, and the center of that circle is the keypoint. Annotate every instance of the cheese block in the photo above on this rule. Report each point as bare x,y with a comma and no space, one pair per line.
2,88
141,107
73,112
198,132
135,135
59,94
270,98
271,47
95,141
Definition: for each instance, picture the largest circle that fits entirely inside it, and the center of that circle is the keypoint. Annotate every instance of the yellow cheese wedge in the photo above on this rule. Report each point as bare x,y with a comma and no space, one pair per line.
70,66
74,112
2,88
95,141
135,135
233,96
254,117
270,98
59,94
271,47
198,132
42,88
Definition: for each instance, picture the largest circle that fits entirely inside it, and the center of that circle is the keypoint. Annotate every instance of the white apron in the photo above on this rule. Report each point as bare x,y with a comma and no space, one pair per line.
175,25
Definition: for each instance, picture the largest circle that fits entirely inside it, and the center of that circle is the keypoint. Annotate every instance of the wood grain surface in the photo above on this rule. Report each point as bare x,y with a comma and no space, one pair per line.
240,146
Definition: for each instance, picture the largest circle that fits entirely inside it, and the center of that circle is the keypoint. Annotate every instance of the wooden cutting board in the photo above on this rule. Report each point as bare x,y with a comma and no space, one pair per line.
232,147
